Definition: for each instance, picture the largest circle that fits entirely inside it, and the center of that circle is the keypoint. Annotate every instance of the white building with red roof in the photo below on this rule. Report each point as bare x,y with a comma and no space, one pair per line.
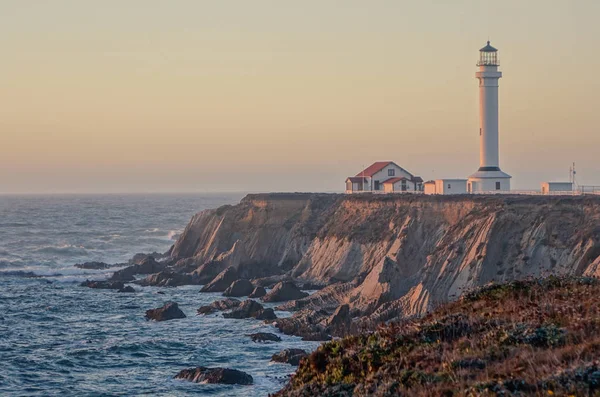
384,177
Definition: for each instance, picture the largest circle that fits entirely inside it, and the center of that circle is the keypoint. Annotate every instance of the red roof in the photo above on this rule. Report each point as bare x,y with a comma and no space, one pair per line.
394,180
374,168
356,179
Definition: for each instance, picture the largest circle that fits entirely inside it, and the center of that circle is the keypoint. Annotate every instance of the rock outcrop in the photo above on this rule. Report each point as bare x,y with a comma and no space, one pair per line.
251,309
284,291
264,337
222,281
289,356
166,278
215,375
148,265
224,304
258,292
96,265
169,311
239,288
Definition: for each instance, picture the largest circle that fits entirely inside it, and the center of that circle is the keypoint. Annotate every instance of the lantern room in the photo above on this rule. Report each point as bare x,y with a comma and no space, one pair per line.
488,56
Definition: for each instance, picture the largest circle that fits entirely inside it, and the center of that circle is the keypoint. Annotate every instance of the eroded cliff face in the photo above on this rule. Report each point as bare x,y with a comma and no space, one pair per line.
395,255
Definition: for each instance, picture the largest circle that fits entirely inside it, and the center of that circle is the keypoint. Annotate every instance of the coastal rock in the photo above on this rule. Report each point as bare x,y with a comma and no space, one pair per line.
96,265
238,288
127,289
258,292
222,281
169,311
220,305
103,284
140,258
166,279
306,324
215,375
284,291
340,322
264,337
247,309
147,265
266,315
289,356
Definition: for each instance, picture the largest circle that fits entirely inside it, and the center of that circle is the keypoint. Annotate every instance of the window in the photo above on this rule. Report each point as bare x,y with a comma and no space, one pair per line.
376,185
391,172
497,185
449,186
403,186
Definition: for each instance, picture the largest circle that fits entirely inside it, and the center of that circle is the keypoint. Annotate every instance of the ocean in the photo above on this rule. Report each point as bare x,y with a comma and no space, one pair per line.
57,338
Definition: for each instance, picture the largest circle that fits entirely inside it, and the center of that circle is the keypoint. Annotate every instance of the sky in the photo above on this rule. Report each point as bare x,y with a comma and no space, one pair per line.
270,95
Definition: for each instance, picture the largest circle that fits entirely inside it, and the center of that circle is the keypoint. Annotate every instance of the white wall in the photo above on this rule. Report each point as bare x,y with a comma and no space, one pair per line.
383,176
489,184
451,186
556,187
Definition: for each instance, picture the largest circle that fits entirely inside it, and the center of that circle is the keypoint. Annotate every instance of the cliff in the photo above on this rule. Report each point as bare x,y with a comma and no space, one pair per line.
394,255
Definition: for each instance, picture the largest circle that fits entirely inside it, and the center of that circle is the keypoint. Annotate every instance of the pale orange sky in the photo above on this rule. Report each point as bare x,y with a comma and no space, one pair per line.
191,95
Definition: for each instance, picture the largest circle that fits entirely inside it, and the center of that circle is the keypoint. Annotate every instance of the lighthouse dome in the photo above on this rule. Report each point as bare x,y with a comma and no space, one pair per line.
488,48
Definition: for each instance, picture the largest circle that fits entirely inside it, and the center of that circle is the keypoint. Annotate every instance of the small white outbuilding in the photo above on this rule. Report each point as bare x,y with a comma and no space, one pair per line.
556,187
446,186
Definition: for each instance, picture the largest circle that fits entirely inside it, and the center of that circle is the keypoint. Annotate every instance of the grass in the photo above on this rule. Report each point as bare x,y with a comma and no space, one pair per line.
537,337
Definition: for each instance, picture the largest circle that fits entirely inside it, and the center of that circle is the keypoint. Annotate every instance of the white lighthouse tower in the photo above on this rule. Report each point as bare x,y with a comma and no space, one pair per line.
489,177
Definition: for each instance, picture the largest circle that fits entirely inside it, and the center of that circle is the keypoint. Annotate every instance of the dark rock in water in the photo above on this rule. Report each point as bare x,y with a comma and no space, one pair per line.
284,291
127,289
224,304
147,266
96,265
264,337
266,314
240,287
340,322
222,281
166,279
258,292
169,311
215,375
271,281
306,324
247,309
140,258
289,356
160,292
206,310
103,284
206,272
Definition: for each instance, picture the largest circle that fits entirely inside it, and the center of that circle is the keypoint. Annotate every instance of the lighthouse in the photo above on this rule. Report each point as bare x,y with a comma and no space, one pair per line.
489,177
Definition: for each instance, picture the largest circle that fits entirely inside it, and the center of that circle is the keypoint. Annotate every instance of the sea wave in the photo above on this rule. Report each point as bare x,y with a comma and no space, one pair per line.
63,249
173,234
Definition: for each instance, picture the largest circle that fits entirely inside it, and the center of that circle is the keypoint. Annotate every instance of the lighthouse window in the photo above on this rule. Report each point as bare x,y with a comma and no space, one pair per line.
497,185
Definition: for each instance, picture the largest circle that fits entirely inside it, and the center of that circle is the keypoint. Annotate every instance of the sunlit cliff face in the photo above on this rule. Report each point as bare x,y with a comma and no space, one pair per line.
145,96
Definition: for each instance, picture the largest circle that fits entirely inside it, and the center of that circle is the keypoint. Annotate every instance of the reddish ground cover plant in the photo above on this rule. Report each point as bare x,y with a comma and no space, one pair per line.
537,337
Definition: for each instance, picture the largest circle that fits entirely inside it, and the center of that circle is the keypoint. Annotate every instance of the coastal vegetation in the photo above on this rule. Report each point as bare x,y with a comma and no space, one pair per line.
536,337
